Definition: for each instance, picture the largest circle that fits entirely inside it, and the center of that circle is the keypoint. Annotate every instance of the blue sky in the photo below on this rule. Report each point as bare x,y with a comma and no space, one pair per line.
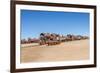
34,22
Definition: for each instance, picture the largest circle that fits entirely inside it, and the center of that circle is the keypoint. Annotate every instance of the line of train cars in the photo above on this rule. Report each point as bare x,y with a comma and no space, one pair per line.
53,39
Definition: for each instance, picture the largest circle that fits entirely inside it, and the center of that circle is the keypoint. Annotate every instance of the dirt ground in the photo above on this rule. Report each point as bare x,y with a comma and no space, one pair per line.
72,50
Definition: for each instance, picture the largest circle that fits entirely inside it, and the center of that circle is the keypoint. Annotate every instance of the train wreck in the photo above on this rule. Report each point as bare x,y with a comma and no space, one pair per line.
53,39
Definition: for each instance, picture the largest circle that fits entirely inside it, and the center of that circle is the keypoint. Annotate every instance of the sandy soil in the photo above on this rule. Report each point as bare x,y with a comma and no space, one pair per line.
73,50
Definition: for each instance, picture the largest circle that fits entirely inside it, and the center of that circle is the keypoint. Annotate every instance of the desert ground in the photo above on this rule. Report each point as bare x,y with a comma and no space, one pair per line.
66,51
